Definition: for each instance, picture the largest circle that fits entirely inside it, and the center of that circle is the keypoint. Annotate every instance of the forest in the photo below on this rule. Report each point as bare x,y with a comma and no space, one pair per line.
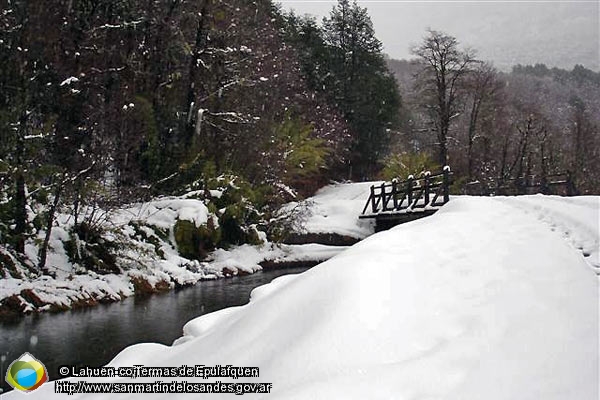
106,103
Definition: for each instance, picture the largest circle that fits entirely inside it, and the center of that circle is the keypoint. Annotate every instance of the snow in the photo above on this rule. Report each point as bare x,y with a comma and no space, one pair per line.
65,292
217,194
482,300
335,209
69,81
577,219
164,212
247,258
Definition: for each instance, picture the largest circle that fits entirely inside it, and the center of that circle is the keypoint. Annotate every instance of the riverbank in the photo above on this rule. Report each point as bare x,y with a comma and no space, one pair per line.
46,293
148,255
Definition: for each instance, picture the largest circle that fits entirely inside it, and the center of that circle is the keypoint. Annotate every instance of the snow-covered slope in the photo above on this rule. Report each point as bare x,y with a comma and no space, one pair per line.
484,300
335,208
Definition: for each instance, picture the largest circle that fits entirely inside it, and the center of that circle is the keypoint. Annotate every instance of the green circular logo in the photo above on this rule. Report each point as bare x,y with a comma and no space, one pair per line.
26,374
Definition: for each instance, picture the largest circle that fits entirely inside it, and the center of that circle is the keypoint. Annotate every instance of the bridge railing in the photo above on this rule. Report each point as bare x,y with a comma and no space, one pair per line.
558,184
424,192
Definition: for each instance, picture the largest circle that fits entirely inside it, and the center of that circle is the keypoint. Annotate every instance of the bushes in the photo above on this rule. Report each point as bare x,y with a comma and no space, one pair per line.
235,229
405,164
88,248
303,154
153,238
239,206
236,205
195,242
6,220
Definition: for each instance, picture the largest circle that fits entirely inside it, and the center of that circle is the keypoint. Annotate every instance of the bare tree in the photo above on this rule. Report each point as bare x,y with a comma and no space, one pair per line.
583,147
482,86
445,67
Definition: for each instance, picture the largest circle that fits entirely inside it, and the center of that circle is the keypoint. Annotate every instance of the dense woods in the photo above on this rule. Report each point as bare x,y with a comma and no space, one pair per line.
109,102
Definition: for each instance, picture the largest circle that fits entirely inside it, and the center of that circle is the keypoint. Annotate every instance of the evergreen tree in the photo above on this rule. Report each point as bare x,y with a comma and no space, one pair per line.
360,84
343,59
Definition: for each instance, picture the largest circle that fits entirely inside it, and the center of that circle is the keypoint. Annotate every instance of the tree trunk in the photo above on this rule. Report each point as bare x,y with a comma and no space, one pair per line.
20,198
193,67
49,224
444,120
472,128
504,171
443,150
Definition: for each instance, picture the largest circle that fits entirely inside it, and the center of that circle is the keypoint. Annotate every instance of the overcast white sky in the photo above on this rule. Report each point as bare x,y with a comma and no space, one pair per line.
557,33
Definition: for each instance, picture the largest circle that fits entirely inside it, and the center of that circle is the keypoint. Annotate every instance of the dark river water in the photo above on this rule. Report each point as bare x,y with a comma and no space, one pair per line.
95,335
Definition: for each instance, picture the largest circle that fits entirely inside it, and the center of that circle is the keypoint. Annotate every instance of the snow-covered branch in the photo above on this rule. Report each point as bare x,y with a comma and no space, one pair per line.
126,24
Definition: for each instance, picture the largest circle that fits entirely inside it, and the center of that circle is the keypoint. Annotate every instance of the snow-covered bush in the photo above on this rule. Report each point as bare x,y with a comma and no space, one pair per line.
194,242
239,207
288,220
88,248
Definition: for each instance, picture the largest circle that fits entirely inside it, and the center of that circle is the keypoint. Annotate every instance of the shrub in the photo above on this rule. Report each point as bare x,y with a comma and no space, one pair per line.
303,155
234,223
402,165
91,250
195,242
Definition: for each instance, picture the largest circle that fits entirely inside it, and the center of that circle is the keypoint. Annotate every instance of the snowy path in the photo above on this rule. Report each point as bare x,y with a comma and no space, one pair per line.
576,219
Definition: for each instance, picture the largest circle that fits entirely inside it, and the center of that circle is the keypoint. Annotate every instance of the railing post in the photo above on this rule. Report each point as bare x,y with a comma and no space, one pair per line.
446,183
544,186
383,202
571,188
426,189
409,186
373,204
395,193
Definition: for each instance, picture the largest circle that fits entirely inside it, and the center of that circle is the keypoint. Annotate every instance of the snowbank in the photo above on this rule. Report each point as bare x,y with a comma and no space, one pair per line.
249,258
481,301
164,212
335,209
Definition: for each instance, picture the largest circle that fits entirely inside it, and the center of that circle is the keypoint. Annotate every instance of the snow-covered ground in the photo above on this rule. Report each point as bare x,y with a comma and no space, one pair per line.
577,219
335,209
490,298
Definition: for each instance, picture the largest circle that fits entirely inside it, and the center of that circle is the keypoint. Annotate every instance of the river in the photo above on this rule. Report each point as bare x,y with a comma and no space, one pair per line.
93,336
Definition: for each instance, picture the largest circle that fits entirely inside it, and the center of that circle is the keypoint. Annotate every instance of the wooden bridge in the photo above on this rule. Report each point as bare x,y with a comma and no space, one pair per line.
393,203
